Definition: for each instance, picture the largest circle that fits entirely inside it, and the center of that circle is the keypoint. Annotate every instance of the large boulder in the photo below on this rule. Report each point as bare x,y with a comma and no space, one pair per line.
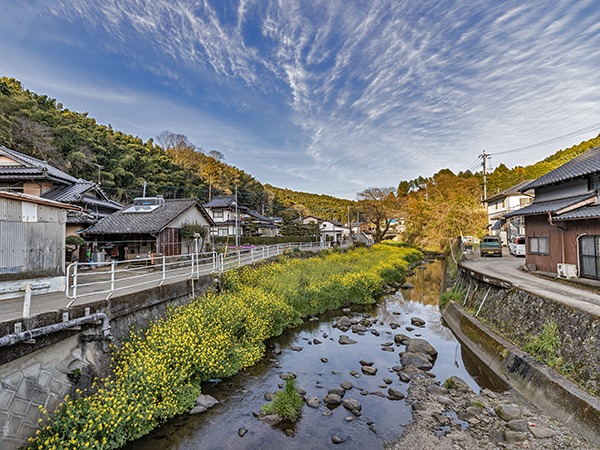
206,401
419,360
419,345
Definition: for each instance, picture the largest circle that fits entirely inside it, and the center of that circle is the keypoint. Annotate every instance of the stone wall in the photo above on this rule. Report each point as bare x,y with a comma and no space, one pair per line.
42,373
518,315
508,319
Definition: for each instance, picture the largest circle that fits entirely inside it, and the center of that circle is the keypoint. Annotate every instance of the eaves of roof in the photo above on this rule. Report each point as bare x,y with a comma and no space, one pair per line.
550,205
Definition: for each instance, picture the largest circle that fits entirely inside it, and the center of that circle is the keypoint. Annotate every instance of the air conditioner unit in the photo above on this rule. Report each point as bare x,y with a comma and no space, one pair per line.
566,270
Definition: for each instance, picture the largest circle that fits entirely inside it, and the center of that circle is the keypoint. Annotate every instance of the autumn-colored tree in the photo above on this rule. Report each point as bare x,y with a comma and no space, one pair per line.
379,207
446,205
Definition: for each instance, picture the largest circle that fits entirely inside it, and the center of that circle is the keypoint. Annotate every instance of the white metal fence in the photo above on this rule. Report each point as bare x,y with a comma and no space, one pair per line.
107,278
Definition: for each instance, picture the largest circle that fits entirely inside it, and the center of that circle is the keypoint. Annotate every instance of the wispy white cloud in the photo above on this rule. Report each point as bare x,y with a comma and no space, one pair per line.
382,90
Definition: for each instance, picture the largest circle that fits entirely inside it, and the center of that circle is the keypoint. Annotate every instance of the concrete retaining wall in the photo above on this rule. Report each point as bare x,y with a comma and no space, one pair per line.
515,315
41,373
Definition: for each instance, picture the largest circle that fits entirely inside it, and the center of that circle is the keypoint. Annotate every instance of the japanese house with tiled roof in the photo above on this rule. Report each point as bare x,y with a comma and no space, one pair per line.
152,225
562,225
28,175
504,202
222,210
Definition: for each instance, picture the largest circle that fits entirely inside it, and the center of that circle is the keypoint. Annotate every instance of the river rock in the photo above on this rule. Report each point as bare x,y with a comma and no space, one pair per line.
337,440
409,328
364,362
397,368
387,344
343,322
332,399
401,339
388,349
242,432
459,384
419,360
394,325
198,410
374,332
474,410
277,351
352,404
327,413
313,402
419,345
377,393
387,381
541,432
207,401
345,340
346,310
355,374
350,418
436,390
285,376
444,400
519,425
359,328
515,436
417,321
269,396
408,285
316,341
353,322
324,360
337,391
508,412
442,420
395,393
296,349
368,370
347,385
270,419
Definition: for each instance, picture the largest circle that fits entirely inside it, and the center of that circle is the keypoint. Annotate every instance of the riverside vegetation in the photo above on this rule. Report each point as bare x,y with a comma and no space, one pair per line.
157,374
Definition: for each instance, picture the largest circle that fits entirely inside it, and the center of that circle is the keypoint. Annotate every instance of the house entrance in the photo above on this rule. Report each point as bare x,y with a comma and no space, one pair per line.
589,251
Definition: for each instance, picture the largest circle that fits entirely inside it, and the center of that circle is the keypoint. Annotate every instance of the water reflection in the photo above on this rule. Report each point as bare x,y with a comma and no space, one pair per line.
244,393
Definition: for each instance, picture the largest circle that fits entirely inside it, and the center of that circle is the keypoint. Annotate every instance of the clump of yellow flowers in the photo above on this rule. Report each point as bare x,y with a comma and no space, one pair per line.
157,373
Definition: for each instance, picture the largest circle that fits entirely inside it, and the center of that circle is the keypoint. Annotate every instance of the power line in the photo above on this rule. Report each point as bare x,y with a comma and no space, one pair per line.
584,130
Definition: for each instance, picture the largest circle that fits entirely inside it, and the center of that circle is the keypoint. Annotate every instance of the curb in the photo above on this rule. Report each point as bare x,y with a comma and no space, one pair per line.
538,383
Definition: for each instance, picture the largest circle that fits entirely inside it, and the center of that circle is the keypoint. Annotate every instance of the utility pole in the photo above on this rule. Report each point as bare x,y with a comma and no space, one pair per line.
237,244
349,226
484,156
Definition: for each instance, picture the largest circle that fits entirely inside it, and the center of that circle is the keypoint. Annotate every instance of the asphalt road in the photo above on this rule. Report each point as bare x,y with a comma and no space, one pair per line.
506,268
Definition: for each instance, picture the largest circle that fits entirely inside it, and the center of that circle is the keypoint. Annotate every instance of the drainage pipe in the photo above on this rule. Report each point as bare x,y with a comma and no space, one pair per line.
12,339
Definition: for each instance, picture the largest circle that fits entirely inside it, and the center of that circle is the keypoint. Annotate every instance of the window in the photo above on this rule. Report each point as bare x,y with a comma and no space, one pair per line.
218,214
222,232
594,182
538,245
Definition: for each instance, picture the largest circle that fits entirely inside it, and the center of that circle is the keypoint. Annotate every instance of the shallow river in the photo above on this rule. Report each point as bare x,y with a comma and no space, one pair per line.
244,393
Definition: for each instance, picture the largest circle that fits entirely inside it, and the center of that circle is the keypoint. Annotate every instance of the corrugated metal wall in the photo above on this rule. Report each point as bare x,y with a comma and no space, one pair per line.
31,249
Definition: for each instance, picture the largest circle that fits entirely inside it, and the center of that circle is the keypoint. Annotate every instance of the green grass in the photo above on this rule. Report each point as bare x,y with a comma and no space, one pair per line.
546,345
286,403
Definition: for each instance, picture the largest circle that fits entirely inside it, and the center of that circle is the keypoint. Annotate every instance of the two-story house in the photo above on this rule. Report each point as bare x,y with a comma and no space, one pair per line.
562,224
504,202
228,218
330,230
28,175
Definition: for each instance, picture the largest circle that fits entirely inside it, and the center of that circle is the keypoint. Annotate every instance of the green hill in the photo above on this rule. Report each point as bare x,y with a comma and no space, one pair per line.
40,126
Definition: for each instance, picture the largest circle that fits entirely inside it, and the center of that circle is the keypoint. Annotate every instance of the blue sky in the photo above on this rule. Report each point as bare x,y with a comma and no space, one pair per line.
321,96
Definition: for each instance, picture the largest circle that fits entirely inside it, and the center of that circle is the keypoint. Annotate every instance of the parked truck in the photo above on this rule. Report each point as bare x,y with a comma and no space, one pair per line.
490,245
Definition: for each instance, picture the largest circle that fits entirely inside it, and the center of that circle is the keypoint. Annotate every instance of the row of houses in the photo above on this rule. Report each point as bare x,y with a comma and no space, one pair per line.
559,215
36,196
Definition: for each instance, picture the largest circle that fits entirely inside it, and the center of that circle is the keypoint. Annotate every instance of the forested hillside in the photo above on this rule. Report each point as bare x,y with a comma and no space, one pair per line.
171,165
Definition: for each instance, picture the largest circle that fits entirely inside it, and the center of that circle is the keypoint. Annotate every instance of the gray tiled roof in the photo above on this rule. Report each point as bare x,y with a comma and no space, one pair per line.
34,168
585,164
220,202
589,212
74,193
145,222
513,190
550,205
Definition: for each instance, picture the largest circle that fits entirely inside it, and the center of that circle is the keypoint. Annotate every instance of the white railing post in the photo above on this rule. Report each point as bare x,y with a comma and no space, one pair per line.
164,270
27,300
112,279
74,281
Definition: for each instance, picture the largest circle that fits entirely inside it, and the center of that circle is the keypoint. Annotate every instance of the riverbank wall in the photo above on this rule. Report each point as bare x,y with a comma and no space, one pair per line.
44,372
508,319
